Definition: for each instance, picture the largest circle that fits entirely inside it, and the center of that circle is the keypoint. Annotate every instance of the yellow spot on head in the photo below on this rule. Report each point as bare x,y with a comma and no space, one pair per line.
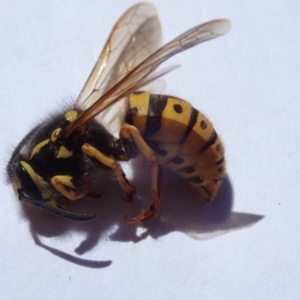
71,115
38,147
63,152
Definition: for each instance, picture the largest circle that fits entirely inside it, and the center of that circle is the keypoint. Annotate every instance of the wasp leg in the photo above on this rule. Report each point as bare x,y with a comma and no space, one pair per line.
111,163
156,178
131,132
63,183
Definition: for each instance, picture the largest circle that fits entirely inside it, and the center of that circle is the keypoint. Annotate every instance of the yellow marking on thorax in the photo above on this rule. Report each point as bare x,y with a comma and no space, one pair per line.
174,121
38,147
140,101
63,152
38,180
71,115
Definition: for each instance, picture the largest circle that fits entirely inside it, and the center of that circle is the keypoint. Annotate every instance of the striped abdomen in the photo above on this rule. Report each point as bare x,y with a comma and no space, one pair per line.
183,138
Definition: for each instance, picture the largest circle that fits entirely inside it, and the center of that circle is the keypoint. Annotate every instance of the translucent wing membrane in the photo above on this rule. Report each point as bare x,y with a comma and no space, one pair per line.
143,73
134,37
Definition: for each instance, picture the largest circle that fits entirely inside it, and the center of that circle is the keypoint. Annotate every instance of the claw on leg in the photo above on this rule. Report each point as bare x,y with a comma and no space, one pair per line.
156,176
124,183
131,132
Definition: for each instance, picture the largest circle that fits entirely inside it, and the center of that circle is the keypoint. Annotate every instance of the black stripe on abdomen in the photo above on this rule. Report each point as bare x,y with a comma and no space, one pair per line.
130,114
192,122
211,140
157,104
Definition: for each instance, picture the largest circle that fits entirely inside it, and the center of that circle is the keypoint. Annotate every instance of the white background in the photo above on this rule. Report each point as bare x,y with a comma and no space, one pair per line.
246,245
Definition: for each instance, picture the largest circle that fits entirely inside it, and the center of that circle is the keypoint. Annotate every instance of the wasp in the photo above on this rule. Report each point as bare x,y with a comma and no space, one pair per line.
114,119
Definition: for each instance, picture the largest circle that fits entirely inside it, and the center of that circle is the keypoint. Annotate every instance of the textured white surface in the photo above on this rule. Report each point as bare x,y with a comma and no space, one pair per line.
247,83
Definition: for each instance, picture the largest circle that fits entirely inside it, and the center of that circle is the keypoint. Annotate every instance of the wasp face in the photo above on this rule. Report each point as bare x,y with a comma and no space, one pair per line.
22,182
31,188
25,180
48,170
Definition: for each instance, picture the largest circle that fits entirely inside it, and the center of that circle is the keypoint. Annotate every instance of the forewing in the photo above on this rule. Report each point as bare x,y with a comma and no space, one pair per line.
134,37
143,73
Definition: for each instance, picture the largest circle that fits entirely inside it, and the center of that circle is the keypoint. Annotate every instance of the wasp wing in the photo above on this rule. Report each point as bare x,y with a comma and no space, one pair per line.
143,74
135,36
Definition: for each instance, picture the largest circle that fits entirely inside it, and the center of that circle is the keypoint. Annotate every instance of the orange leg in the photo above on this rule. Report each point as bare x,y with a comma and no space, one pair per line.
156,177
63,184
109,162
131,132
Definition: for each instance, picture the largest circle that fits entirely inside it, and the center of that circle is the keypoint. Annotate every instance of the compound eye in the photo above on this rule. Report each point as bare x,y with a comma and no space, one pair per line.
19,170
23,172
